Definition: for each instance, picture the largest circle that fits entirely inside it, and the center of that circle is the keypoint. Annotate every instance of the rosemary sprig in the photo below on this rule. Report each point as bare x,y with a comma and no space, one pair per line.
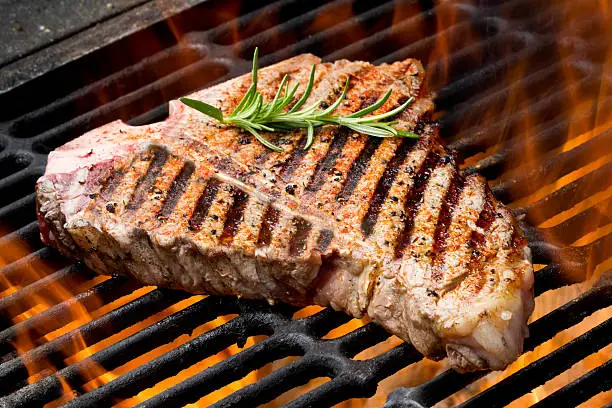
254,115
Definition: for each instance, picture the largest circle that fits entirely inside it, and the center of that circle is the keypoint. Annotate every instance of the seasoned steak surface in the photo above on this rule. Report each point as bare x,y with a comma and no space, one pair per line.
384,227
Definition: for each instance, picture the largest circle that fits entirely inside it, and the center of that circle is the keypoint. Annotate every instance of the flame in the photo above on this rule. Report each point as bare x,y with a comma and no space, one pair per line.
38,302
454,35
578,99
450,33
55,294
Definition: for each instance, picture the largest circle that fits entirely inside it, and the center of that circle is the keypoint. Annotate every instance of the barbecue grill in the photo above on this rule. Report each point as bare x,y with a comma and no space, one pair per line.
523,96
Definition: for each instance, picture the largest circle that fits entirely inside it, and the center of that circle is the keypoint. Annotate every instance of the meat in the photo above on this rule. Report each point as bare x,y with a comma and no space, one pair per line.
383,227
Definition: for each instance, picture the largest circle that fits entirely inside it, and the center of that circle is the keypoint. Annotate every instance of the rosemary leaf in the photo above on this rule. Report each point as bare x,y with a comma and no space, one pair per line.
254,115
203,107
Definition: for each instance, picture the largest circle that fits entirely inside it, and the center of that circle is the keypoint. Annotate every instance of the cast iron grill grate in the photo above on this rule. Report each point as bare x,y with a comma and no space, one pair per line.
484,46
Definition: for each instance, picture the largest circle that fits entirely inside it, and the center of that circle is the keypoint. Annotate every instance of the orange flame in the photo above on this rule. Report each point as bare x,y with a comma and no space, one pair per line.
55,294
454,33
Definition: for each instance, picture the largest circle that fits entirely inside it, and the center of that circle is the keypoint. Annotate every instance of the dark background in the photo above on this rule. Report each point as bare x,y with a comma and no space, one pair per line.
42,33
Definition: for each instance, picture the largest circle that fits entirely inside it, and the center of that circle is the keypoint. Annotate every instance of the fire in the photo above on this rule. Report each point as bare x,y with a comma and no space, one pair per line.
38,302
578,100
454,34
56,293
97,375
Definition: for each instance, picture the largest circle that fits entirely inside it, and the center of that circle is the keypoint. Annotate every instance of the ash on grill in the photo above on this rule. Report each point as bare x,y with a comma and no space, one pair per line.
524,97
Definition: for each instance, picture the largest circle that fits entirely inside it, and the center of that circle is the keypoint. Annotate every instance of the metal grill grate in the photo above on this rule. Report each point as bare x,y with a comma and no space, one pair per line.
484,45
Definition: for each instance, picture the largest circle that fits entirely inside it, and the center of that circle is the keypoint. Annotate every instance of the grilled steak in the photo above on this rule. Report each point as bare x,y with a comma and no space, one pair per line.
383,227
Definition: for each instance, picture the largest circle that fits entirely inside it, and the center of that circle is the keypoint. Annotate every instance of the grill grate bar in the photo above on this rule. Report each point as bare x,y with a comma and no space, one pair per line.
281,380
254,19
571,229
517,186
16,217
316,41
549,107
13,272
568,315
494,165
371,371
52,319
349,377
581,389
255,319
231,369
568,196
278,346
553,277
588,220
284,379
578,263
120,353
28,234
169,364
473,79
538,82
502,45
592,303
153,93
543,329
16,205
424,20
101,328
545,368
477,139
60,314
70,278
87,94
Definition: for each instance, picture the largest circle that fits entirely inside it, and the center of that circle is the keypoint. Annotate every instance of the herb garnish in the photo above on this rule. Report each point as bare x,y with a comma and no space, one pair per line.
253,114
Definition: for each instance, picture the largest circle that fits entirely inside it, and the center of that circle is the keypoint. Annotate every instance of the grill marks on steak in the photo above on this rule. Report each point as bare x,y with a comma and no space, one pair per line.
270,218
341,157
450,258
358,167
203,204
179,184
386,227
334,150
146,182
383,185
234,216
325,167
451,198
414,199
220,211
